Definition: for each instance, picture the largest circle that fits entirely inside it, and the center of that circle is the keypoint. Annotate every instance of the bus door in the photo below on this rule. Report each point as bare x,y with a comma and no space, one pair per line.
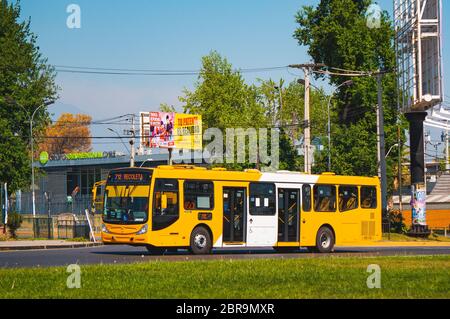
262,217
234,212
288,215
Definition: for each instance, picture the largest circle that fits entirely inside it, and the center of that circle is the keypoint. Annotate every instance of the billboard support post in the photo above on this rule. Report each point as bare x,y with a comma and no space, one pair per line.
418,189
418,46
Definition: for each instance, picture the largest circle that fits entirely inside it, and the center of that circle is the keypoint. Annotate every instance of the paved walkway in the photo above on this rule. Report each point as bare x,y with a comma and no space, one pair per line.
398,244
43,244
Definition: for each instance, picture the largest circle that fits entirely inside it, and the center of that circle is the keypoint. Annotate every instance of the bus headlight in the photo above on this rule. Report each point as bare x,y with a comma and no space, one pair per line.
104,229
143,230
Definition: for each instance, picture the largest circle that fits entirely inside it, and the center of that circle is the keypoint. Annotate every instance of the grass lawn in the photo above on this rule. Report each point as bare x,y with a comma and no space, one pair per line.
329,277
401,237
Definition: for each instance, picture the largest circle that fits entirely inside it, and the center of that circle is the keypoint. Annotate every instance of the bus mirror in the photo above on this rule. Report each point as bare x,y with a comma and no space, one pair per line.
163,201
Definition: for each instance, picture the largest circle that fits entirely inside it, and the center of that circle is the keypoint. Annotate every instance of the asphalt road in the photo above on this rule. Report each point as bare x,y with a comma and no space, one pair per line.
127,254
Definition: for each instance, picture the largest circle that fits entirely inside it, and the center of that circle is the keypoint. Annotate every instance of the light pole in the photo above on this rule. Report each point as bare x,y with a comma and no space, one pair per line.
390,149
147,160
30,119
346,83
307,133
120,137
280,102
33,191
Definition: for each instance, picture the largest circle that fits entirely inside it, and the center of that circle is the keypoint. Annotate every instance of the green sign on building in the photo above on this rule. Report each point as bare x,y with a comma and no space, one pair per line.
43,158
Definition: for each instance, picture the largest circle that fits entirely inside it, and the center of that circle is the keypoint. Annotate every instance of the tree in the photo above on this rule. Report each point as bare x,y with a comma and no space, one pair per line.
26,82
290,116
224,100
14,222
222,97
164,107
289,159
69,134
337,35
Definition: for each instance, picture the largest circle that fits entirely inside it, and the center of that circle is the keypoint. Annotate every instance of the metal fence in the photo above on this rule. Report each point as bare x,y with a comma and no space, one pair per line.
50,206
73,229
64,226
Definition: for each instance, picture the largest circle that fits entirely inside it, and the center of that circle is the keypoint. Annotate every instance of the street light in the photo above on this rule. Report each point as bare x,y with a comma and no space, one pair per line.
120,137
147,160
32,155
31,119
346,83
390,149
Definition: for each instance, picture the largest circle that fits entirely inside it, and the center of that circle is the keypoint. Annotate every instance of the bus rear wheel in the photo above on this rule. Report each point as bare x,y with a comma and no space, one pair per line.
200,241
325,240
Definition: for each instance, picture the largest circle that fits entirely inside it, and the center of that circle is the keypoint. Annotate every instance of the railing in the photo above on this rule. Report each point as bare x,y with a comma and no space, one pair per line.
64,226
51,206
443,231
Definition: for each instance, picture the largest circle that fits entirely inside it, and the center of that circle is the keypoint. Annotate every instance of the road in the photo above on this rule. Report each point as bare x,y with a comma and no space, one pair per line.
127,254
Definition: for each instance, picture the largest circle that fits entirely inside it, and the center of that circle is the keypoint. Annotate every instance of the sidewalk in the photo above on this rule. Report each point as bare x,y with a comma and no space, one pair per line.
44,244
398,244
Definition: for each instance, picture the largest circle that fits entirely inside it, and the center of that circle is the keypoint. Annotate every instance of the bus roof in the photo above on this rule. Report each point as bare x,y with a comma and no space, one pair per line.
219,173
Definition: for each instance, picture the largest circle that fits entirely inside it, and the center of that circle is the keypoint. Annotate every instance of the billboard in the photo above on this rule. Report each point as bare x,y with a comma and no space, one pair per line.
418,50
171,130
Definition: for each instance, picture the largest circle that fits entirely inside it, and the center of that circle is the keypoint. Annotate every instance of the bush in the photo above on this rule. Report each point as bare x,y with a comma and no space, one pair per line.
14,223
396,220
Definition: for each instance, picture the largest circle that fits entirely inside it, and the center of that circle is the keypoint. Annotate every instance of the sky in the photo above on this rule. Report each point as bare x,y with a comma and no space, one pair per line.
164,34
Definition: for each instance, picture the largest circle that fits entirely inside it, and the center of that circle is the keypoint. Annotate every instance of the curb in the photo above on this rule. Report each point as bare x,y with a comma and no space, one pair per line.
397,244
50,246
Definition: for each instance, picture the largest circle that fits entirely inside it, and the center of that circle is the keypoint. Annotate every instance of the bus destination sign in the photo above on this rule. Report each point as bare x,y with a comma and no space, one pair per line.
129,177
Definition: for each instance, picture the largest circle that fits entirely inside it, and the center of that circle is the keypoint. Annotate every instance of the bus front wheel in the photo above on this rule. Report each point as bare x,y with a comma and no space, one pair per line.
200,241
325,240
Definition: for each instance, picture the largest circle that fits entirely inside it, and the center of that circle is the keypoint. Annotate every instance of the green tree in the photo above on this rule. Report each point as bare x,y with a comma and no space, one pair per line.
286,105
336,34
222,97
289,159
26,82
224,100
164,107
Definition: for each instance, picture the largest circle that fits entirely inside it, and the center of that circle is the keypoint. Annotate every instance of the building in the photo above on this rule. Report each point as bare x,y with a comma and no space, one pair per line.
64,183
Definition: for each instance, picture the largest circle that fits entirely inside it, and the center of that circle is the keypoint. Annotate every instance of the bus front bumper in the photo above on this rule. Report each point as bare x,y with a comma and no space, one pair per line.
131,239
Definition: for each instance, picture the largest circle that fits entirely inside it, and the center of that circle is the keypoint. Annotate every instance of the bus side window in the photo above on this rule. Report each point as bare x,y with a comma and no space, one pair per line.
306,197
198,195
165,203
348,198
262,199
324,198
368,197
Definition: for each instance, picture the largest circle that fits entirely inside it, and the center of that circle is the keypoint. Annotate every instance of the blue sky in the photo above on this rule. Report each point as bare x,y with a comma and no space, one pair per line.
157,34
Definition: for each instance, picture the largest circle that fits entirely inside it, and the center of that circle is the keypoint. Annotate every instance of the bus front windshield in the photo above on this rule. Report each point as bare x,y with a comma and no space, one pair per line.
125,210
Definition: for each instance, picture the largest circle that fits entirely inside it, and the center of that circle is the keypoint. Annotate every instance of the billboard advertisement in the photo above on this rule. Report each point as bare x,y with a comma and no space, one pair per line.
171,130
418,204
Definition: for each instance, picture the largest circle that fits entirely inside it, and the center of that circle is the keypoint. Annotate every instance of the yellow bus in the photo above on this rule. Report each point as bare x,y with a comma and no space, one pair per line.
171,207
98,190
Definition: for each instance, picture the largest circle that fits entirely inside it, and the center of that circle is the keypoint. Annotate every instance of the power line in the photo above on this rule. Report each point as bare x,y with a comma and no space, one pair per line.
149,72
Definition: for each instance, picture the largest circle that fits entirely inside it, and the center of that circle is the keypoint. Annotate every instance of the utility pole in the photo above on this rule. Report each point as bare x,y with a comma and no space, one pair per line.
6,207
132,141
2,209
400,171
307,133
307,122
447,159
381,148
